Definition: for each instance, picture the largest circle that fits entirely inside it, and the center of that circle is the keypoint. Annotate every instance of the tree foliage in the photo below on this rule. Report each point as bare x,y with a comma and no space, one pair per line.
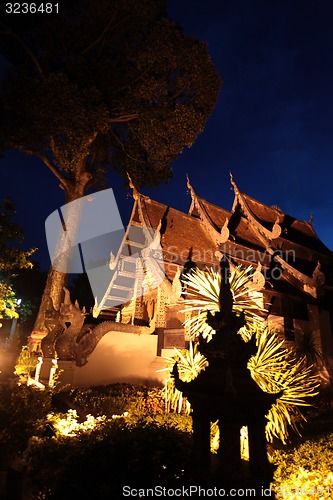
104,83
12,258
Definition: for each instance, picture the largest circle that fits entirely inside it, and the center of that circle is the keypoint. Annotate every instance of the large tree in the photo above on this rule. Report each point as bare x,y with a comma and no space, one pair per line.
103,83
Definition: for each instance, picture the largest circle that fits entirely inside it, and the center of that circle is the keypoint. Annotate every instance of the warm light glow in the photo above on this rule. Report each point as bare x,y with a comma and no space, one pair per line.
53,371
70,427
34,383
306,485
244,443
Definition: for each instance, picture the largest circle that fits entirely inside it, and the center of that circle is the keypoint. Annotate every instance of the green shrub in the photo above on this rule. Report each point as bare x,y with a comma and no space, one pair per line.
149,447
26,363
115,399
100,464
305,470
23,413
177,421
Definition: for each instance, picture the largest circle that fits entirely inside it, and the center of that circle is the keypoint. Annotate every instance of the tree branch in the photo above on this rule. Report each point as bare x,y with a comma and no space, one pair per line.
124,118
50,166
27,49
53,147
179,93
104,32
90,140
122,147
138,78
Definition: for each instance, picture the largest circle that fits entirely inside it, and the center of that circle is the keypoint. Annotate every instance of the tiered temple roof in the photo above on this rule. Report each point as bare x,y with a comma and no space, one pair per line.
250,233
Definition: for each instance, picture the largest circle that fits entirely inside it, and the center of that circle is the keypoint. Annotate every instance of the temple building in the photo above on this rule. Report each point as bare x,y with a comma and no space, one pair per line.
294,267
142,312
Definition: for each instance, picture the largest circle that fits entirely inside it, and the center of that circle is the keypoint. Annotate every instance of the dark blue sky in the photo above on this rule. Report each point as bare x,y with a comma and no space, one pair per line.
272,125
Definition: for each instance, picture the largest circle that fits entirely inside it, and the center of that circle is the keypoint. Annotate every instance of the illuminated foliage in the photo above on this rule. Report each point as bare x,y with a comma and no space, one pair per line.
306,485
190,362
12,258
305,472
202,295
26,363
7,302
214,437
116,399
273,367
69,426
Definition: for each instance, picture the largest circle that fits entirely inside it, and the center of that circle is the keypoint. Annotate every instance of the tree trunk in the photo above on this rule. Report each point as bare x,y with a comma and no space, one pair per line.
56,280
54,291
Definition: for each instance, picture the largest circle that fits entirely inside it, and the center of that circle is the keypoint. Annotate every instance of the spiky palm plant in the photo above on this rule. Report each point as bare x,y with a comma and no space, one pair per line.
309,347
202,295
273,367
190,363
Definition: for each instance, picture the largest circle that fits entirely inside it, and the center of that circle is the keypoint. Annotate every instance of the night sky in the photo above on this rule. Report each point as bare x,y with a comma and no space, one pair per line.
272,125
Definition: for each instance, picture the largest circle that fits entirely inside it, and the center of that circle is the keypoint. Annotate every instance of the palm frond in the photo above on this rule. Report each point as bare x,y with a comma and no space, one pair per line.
190,362
275,369
309,347
269,360
202,295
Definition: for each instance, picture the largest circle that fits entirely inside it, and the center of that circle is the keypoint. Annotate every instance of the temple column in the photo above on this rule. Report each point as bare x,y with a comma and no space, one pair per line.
201,440
229,449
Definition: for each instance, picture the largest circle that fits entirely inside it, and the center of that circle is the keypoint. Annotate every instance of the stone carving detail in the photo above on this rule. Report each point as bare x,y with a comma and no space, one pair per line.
258,278
176,288
54,328
71,318
276,229
161,306
225,233
63,327
318,276
68,337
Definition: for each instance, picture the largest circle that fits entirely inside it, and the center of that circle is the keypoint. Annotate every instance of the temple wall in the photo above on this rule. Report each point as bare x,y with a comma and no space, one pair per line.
314,318
326,332
276,322
301,326
120,357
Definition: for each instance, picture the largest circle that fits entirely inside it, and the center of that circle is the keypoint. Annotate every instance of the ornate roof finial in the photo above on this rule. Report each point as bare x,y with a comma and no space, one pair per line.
311,219
189,187
188,182
135,192
233,183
